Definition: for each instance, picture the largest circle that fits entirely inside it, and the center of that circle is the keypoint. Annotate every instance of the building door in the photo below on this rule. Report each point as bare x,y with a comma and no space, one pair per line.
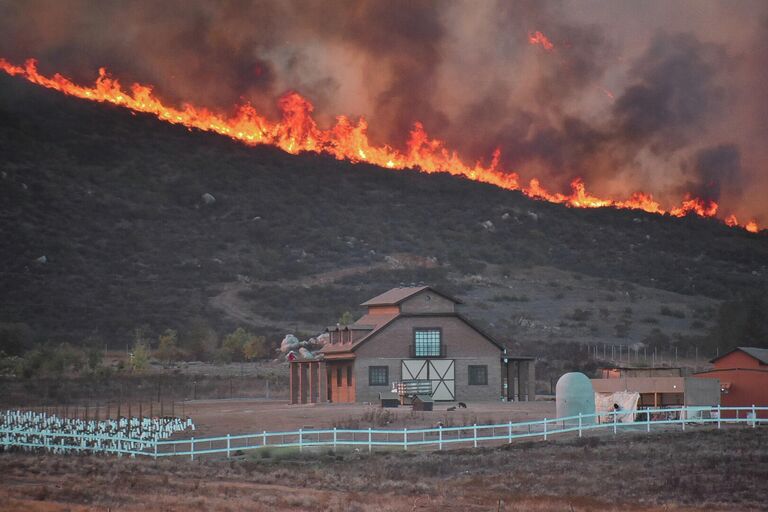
439,372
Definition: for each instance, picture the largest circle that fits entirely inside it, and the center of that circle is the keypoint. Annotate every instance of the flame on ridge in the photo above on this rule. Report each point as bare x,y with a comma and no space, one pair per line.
347,140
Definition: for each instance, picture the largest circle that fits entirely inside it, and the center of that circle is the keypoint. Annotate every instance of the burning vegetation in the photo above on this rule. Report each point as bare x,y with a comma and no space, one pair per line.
298,131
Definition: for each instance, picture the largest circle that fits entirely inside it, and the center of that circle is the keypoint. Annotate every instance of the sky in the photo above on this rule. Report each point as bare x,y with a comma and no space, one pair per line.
668,97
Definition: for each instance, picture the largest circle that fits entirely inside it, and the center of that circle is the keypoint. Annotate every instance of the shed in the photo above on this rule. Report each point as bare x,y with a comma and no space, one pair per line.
389,400
423,403
743,378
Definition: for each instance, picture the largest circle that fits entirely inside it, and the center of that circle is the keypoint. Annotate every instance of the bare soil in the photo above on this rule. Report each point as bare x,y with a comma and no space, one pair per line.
219,417
695,470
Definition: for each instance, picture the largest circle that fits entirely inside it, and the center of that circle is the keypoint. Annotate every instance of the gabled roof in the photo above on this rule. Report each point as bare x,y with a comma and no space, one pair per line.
761,354
387,319
397,295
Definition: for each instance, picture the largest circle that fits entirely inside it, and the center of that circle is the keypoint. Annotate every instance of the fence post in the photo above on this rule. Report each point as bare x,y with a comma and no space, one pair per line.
370,447
405,439
579,424
682,420
301,435
545,429
510,431
615,419
192,448
754,416
719,415
648,420
264,438
334,439
440,437
228,445
474,433
155,446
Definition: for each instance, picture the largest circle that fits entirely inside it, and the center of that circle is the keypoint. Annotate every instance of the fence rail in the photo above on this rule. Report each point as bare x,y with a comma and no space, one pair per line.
439,437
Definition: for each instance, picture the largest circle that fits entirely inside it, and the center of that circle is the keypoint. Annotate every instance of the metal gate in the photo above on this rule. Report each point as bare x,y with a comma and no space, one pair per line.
440,372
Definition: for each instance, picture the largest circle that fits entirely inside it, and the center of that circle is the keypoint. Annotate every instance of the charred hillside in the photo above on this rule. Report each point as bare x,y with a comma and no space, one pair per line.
106,227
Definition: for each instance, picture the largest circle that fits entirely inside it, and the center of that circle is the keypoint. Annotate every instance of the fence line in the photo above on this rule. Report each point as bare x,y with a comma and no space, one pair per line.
370,438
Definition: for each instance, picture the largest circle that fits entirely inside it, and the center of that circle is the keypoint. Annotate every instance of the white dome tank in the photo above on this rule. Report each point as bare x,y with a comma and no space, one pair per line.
574,394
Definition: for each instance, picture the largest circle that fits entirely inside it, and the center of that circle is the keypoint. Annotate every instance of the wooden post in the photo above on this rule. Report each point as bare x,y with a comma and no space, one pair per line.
405,439
615,418
474,431
719,416
228,445
369,440
192,448
510,431
334,439
440,437
579,424
545,429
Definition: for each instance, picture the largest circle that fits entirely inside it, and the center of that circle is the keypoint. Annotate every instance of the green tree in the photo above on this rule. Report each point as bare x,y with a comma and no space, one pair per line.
346,318
167,350
139,356
198,340
94,358
233,344
256,348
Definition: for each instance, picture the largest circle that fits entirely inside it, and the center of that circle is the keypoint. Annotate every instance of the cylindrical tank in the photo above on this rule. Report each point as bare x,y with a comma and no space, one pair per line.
574,394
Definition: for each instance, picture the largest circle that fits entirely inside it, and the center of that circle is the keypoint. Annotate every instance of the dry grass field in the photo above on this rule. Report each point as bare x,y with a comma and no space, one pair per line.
698,470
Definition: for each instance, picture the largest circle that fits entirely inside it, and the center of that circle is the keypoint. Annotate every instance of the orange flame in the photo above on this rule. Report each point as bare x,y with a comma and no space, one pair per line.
347,140
540,39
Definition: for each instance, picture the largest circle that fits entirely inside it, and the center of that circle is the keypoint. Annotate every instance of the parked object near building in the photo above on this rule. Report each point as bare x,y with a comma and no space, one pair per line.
388,399
423,403
658,387
742,374
411,335
574,395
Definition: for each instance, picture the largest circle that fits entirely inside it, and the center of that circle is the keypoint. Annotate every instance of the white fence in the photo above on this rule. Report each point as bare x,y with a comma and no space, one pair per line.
370,439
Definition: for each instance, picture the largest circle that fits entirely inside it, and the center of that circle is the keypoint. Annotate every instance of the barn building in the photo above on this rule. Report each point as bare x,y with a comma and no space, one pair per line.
743,375
411,335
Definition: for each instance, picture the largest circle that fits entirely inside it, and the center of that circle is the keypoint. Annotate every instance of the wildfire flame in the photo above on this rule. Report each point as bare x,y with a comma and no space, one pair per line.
540,39
347,140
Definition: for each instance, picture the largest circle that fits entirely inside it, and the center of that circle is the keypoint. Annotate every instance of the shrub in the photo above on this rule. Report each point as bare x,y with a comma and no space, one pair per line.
667,311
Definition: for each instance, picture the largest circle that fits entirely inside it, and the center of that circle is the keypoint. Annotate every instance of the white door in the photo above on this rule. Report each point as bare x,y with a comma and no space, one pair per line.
414,369
441,373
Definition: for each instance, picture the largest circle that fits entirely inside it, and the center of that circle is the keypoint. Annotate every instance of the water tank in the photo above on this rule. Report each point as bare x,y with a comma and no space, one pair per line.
574,394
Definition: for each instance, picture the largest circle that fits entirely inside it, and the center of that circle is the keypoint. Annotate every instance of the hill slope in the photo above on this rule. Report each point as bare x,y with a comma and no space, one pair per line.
114,203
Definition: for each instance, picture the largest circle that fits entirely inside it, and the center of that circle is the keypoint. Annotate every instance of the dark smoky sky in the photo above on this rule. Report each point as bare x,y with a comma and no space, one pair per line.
662,96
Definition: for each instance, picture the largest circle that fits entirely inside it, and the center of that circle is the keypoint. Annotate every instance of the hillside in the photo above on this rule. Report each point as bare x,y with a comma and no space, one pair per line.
105,230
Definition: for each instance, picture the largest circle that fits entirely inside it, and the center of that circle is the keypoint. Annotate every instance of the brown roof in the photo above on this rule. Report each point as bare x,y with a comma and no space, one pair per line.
397,295
375,322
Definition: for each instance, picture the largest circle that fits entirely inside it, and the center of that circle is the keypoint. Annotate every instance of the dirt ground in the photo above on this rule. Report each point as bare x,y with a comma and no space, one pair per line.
701,469
219,417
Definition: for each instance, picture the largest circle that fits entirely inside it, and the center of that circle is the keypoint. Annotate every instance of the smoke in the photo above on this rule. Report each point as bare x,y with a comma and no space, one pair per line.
665,98
715,171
